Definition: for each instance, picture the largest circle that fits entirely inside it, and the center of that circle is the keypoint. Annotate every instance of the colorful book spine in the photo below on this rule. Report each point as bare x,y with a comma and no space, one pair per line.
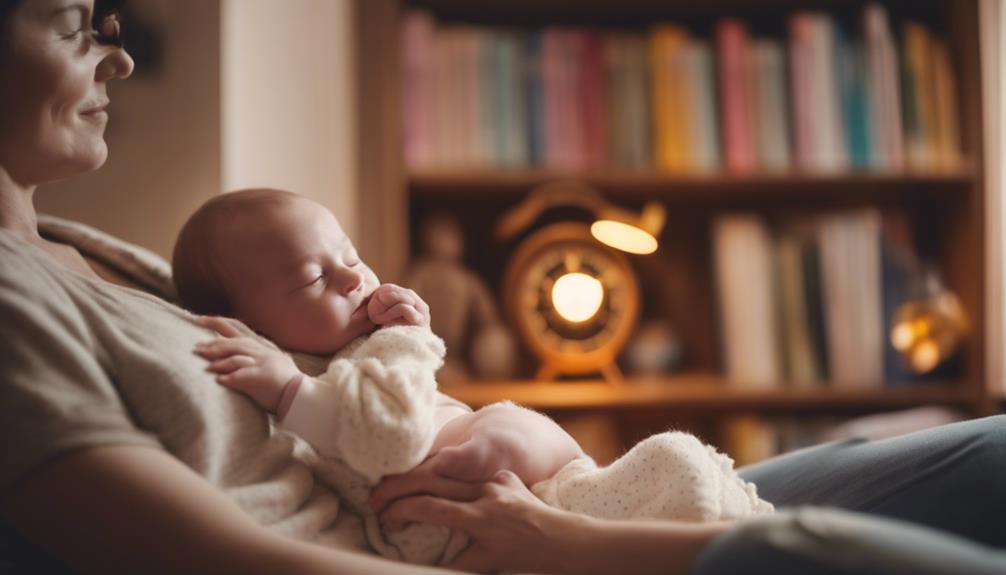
732,48
534,98
573,98
771,121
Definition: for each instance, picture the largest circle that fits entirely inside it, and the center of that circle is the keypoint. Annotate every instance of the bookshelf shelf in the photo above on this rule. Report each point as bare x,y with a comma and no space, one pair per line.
701,391
480,184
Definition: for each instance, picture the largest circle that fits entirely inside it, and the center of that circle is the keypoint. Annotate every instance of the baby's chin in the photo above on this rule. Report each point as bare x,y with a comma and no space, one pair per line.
332,344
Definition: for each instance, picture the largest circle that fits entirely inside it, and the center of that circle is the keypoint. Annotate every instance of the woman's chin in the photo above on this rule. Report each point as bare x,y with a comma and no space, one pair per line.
81,161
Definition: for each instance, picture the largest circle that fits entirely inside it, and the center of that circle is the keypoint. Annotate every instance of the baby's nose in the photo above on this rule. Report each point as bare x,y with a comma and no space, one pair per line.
352,281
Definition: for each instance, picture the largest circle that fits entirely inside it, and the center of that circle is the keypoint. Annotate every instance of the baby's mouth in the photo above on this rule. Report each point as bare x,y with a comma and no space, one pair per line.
362,308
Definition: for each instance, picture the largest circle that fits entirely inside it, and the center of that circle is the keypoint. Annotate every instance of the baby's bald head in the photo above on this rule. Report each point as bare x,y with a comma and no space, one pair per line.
198,265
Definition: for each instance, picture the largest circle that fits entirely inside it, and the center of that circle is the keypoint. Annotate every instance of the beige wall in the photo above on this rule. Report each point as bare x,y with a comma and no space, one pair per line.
288,105
164,136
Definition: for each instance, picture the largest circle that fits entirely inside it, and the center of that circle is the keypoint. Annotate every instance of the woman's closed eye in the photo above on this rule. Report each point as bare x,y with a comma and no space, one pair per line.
71,23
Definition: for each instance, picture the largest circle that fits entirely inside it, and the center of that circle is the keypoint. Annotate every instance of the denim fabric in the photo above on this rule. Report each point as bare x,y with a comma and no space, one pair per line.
927,502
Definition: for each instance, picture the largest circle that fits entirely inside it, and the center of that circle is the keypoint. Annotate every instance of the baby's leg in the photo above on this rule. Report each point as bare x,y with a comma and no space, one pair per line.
667,476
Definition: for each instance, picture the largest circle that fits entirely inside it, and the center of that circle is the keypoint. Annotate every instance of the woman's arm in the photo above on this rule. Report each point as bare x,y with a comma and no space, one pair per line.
514,531
128,509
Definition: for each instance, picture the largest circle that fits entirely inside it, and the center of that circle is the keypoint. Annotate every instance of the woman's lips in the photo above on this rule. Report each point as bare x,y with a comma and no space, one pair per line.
96,113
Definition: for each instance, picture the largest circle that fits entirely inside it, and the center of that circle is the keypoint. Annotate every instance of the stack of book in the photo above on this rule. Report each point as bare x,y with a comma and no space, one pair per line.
583,98
809,302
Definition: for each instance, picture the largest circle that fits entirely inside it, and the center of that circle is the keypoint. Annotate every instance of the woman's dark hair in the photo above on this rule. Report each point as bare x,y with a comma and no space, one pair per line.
6,6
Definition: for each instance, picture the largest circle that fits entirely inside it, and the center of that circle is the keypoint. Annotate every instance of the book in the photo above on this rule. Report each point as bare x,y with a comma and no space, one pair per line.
920,114
594,93
884,91
742,247
667,45
851,286
700,103
771,119
733,62
801,366
534,98
418,98
577,98
948,137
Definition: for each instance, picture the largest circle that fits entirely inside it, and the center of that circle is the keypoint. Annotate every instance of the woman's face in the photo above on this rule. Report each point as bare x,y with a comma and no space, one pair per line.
53,102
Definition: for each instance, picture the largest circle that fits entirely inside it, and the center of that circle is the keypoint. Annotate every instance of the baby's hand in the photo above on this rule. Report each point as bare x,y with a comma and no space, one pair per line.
249,365
394,305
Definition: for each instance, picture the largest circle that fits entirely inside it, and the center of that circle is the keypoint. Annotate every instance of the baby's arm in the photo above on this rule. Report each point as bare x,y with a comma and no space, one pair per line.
249,363
474,446
376,408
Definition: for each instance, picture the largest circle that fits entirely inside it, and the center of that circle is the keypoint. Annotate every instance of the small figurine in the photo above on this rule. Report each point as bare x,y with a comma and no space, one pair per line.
462,309
655,349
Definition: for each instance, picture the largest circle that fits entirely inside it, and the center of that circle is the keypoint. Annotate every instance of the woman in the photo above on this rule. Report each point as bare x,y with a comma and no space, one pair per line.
120,454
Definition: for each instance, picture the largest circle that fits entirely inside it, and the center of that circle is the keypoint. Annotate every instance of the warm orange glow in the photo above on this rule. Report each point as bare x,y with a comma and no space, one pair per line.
577,296
623,237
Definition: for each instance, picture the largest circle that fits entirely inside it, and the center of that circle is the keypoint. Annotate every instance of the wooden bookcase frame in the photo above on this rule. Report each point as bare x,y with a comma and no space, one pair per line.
388,190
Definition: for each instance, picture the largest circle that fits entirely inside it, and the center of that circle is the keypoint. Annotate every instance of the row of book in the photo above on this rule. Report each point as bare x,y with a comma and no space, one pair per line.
810,301
581,98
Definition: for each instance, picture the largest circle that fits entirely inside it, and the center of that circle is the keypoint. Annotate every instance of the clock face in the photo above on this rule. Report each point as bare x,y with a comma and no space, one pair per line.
573,300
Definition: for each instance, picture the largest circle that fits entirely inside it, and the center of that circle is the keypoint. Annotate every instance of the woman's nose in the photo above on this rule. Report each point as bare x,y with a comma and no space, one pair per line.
117,64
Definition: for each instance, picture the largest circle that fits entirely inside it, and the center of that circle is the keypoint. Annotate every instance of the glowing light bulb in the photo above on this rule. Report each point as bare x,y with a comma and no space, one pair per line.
902,336
925,356
577,296
623,237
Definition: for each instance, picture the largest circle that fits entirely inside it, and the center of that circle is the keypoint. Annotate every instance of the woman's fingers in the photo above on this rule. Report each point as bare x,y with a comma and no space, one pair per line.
422,480
429,509
231,363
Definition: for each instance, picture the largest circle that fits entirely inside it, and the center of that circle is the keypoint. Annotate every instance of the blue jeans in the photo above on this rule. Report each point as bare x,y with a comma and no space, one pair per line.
927,502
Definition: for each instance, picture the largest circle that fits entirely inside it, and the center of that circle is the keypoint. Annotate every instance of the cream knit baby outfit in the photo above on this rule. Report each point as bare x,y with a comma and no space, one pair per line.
671,475
371,414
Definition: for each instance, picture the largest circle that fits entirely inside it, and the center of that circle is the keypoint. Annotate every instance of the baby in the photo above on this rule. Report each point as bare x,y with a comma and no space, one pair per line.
283,266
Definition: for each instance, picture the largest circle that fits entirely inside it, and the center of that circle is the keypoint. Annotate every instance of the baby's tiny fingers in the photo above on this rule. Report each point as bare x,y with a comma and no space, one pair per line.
232,363
238,377
396,311
223,347
224,326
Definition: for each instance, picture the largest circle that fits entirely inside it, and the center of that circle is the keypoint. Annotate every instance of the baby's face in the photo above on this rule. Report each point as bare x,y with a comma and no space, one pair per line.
294,276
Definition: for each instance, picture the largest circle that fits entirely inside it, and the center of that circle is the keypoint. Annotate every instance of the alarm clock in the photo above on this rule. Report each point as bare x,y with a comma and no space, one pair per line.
573,301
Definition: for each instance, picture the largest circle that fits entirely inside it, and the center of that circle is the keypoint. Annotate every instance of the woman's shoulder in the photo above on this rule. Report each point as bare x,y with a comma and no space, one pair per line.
23,267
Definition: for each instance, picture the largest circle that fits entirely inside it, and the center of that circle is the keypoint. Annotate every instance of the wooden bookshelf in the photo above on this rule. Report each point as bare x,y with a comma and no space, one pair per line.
703,392
951,204
460,185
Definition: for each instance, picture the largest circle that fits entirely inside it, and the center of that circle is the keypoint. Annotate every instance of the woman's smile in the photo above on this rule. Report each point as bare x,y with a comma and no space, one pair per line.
96,112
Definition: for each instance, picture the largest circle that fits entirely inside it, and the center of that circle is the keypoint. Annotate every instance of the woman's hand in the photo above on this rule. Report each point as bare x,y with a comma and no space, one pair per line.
394,305
512,530
247,362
